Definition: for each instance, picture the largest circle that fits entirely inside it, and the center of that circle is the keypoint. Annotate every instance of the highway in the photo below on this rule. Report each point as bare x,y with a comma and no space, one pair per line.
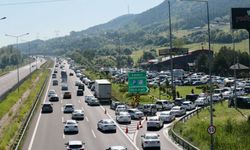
46,130
9,80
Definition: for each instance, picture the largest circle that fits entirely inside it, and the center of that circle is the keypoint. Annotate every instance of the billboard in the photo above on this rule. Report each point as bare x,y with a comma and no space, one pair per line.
175,51
241,18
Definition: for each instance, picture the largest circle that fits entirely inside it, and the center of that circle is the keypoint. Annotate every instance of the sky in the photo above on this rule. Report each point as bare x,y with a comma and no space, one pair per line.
45,19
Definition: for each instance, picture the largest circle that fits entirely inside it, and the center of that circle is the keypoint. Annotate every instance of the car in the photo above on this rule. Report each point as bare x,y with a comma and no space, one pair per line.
135,113
120,108
179,101
163,105
70,126
81,86
178,111
91,83
155,123
78,114
188,105
55,71
79,92
68,108
201,101
93,102
53,75
51,92
114,104
217,97
47,107
75,145
192,97
150,140
78,82
71,74
64,87
55,82
116,148
54,98
106,125
88,98
166,116
123,117
67,95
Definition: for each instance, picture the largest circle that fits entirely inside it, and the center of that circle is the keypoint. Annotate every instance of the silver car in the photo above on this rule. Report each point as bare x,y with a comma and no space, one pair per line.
70,126
188,105
154,122
68,108
88,98
135,113
116,148
75,145
178,111
123,117
106,125
150,140
51,92
166,116
78,114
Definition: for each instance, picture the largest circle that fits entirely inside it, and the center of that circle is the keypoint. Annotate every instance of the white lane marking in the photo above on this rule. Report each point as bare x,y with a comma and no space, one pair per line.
93,133
61,101
62,119
38,120
165,133
79,101
63,136
122,131
82,109
87,118
61,108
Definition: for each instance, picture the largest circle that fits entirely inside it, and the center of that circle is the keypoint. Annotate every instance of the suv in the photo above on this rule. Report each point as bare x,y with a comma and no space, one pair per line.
114,104
191,97
81,86
67,95
148,109
54,98
55,82
164,105
47,107
75,145
179,101
79,92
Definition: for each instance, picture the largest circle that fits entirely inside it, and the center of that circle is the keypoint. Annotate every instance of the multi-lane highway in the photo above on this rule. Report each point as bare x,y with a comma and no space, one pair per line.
46,131
9,80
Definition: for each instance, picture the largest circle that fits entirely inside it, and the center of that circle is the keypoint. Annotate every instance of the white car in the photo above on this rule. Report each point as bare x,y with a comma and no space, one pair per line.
154,122
88,98
164,105
70,126
120,108
51,92
201,101
68,108
106,125
78,82
166,116
116,148
123,117
135,113
178,111
227,94
188,105
150,140
78,114
93,102
216,97
75,145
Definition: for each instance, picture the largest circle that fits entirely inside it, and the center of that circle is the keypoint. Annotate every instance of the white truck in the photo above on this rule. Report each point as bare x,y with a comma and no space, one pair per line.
103,90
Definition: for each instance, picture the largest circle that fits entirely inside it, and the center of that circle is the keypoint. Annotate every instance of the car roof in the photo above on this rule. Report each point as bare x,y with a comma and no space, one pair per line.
47,103
117,147
151,134
73,121
68,104
177,107
164,112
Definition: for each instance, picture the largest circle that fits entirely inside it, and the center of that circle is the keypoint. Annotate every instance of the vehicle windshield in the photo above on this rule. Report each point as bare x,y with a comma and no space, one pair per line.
151,137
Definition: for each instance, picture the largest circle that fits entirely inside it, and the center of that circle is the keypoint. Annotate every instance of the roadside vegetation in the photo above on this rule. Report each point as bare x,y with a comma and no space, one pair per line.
232,128
9,131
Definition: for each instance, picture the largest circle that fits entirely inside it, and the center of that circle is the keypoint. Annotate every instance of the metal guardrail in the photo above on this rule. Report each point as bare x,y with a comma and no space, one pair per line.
178,139
25,123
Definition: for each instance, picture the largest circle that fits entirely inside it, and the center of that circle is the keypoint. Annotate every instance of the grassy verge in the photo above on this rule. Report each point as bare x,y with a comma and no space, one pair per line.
10,131
232,129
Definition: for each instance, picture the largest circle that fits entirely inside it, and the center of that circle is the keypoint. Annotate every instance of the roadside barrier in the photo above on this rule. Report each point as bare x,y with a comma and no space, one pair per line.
178,139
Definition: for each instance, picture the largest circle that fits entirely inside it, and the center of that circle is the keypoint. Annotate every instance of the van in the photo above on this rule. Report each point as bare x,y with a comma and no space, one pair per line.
148,109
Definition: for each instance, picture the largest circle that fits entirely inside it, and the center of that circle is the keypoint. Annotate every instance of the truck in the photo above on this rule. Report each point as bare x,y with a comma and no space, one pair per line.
103,90
64,76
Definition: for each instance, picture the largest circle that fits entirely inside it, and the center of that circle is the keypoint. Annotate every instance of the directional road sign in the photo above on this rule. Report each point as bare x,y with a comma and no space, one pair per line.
137,82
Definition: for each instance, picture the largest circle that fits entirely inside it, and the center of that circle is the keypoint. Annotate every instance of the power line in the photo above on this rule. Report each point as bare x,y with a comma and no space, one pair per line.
31,2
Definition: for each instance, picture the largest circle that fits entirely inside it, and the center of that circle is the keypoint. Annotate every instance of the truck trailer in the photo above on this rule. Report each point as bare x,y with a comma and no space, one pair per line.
103,90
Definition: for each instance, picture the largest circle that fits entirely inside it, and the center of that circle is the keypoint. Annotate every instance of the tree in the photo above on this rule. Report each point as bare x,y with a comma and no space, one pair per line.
202,63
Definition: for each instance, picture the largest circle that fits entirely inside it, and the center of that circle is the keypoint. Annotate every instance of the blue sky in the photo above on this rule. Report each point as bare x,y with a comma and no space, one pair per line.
51,19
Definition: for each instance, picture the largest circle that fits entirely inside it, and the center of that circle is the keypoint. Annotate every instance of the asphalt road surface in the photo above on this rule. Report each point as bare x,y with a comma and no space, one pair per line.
9,80
46,130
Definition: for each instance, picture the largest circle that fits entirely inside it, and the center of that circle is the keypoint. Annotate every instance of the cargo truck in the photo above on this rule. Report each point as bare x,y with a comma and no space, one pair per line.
103,90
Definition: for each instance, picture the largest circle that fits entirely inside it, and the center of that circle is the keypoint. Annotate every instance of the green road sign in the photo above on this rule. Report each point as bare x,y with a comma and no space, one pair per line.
137,82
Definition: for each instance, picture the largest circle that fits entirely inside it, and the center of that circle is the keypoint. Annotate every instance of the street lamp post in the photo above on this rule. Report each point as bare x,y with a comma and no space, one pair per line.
17,37
3,18
210,68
